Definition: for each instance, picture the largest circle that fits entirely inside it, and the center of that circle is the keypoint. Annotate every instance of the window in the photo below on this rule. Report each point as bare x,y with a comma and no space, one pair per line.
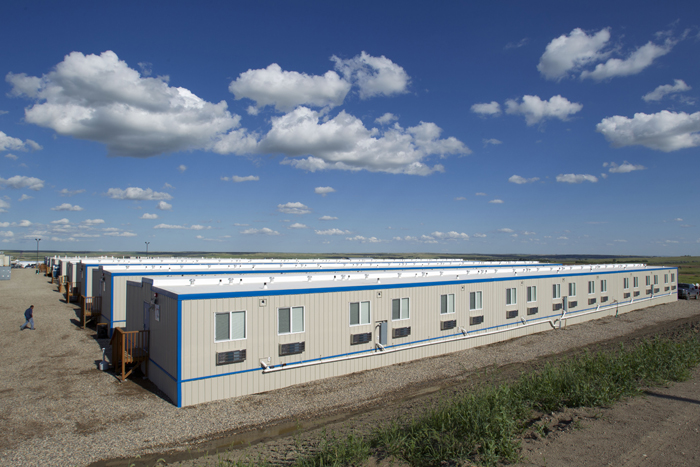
603,286
229,326
399,308
572,289
656,279
359,313
532,294
290,320
673,277
475,302
556,291
625,282
447,304
511,298
591,287
665,278
635,282
648,280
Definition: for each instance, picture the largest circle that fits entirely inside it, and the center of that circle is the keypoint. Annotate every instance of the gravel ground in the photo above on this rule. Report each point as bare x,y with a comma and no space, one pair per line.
56,408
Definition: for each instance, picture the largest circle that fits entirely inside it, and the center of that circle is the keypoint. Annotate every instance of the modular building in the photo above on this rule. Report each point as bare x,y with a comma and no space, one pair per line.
211,338
109,281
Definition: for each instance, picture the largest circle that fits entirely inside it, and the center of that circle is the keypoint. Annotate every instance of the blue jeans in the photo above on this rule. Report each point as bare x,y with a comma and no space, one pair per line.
30,321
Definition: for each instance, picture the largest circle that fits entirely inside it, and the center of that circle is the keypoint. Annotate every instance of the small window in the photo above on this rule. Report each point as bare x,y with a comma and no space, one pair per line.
556,291
475,302
359,313
572,289
648,280
511,297
290,320
673,277
625,282
656,279
447,304
603,286
229,326
399,309
591,287
532,293
635,282
665,278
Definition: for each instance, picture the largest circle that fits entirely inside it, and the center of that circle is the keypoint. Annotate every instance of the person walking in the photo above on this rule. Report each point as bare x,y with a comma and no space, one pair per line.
29,315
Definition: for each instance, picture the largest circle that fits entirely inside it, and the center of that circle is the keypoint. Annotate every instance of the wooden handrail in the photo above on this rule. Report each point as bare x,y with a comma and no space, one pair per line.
91,307
129,348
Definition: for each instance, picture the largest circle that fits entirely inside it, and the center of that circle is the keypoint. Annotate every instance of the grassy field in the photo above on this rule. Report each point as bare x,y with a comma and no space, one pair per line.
688,266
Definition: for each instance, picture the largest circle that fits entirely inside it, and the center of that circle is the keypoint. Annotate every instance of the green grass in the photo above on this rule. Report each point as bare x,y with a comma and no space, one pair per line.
483,426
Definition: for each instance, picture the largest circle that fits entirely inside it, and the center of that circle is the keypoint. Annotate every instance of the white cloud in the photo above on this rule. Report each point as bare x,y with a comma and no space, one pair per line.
136,193
460,198
298,226
182,168
286,90
323,190
4,205
374,76
568,53
529,233
181,227
562,238
576,178
635,63
661,91
293,208
120,234
491,108
93,221
11,156
8,143
7,234
344,143
332,232
67,207
496,201
21,181
620,241
479,194
100,98
678,219
263,231
626,167
493,141
664,131
386,119
360,238
25,197
479,235
67,192
4,224
506,230
237,179
163,206
535,109
517,179
327,218
427,239
452,235
24,223
149,216
63,221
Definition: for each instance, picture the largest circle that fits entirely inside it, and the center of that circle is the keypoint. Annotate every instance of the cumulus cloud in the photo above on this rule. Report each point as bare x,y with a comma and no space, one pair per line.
25,197
386,119
517,179
238,179
327,218
297,226
479,194
120,234
7,234
666,89
460,198
263,231
568,53
11,157
374,76
664,131
452,235
493,141
293,208
181,227
135,193
9,143
626,167
479,235
4,205
576,178
496,201
323,190
21,181
344,143
163,206
635,63
360,238
67,192
491,108
149,216
506,230
93,221
100,98
182,168
332,232
24,223
63,221
535,109
286,90
67,207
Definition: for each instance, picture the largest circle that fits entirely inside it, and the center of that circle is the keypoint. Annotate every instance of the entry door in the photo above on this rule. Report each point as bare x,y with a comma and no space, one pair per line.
146,316
565,305
383,331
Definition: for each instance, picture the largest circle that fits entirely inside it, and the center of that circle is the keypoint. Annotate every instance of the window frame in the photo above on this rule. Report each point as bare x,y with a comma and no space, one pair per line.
511,296
230,325
591,287
359,311
603,286
648,280
401,301
478,304
533,295
291,330
635,282
572,288
625,283
447,304
556,291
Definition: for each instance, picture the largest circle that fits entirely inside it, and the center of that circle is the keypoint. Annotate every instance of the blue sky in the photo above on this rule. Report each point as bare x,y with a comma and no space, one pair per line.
446,127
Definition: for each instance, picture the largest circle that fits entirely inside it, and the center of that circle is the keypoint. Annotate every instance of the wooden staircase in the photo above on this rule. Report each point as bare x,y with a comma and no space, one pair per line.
72,292
129,350
90,309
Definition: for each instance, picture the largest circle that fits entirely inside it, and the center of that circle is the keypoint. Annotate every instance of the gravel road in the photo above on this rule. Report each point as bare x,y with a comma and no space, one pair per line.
56,408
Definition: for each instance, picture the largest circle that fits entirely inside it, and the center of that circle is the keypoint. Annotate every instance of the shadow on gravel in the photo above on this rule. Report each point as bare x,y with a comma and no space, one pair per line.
675,398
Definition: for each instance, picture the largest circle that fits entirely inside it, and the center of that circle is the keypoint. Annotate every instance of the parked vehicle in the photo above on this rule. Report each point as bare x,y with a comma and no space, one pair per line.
687,291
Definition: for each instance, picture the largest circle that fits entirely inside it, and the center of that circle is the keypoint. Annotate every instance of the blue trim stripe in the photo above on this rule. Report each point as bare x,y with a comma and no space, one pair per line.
163,370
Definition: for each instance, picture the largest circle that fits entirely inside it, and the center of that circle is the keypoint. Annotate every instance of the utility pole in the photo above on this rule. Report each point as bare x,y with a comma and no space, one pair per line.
147,243
37,252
